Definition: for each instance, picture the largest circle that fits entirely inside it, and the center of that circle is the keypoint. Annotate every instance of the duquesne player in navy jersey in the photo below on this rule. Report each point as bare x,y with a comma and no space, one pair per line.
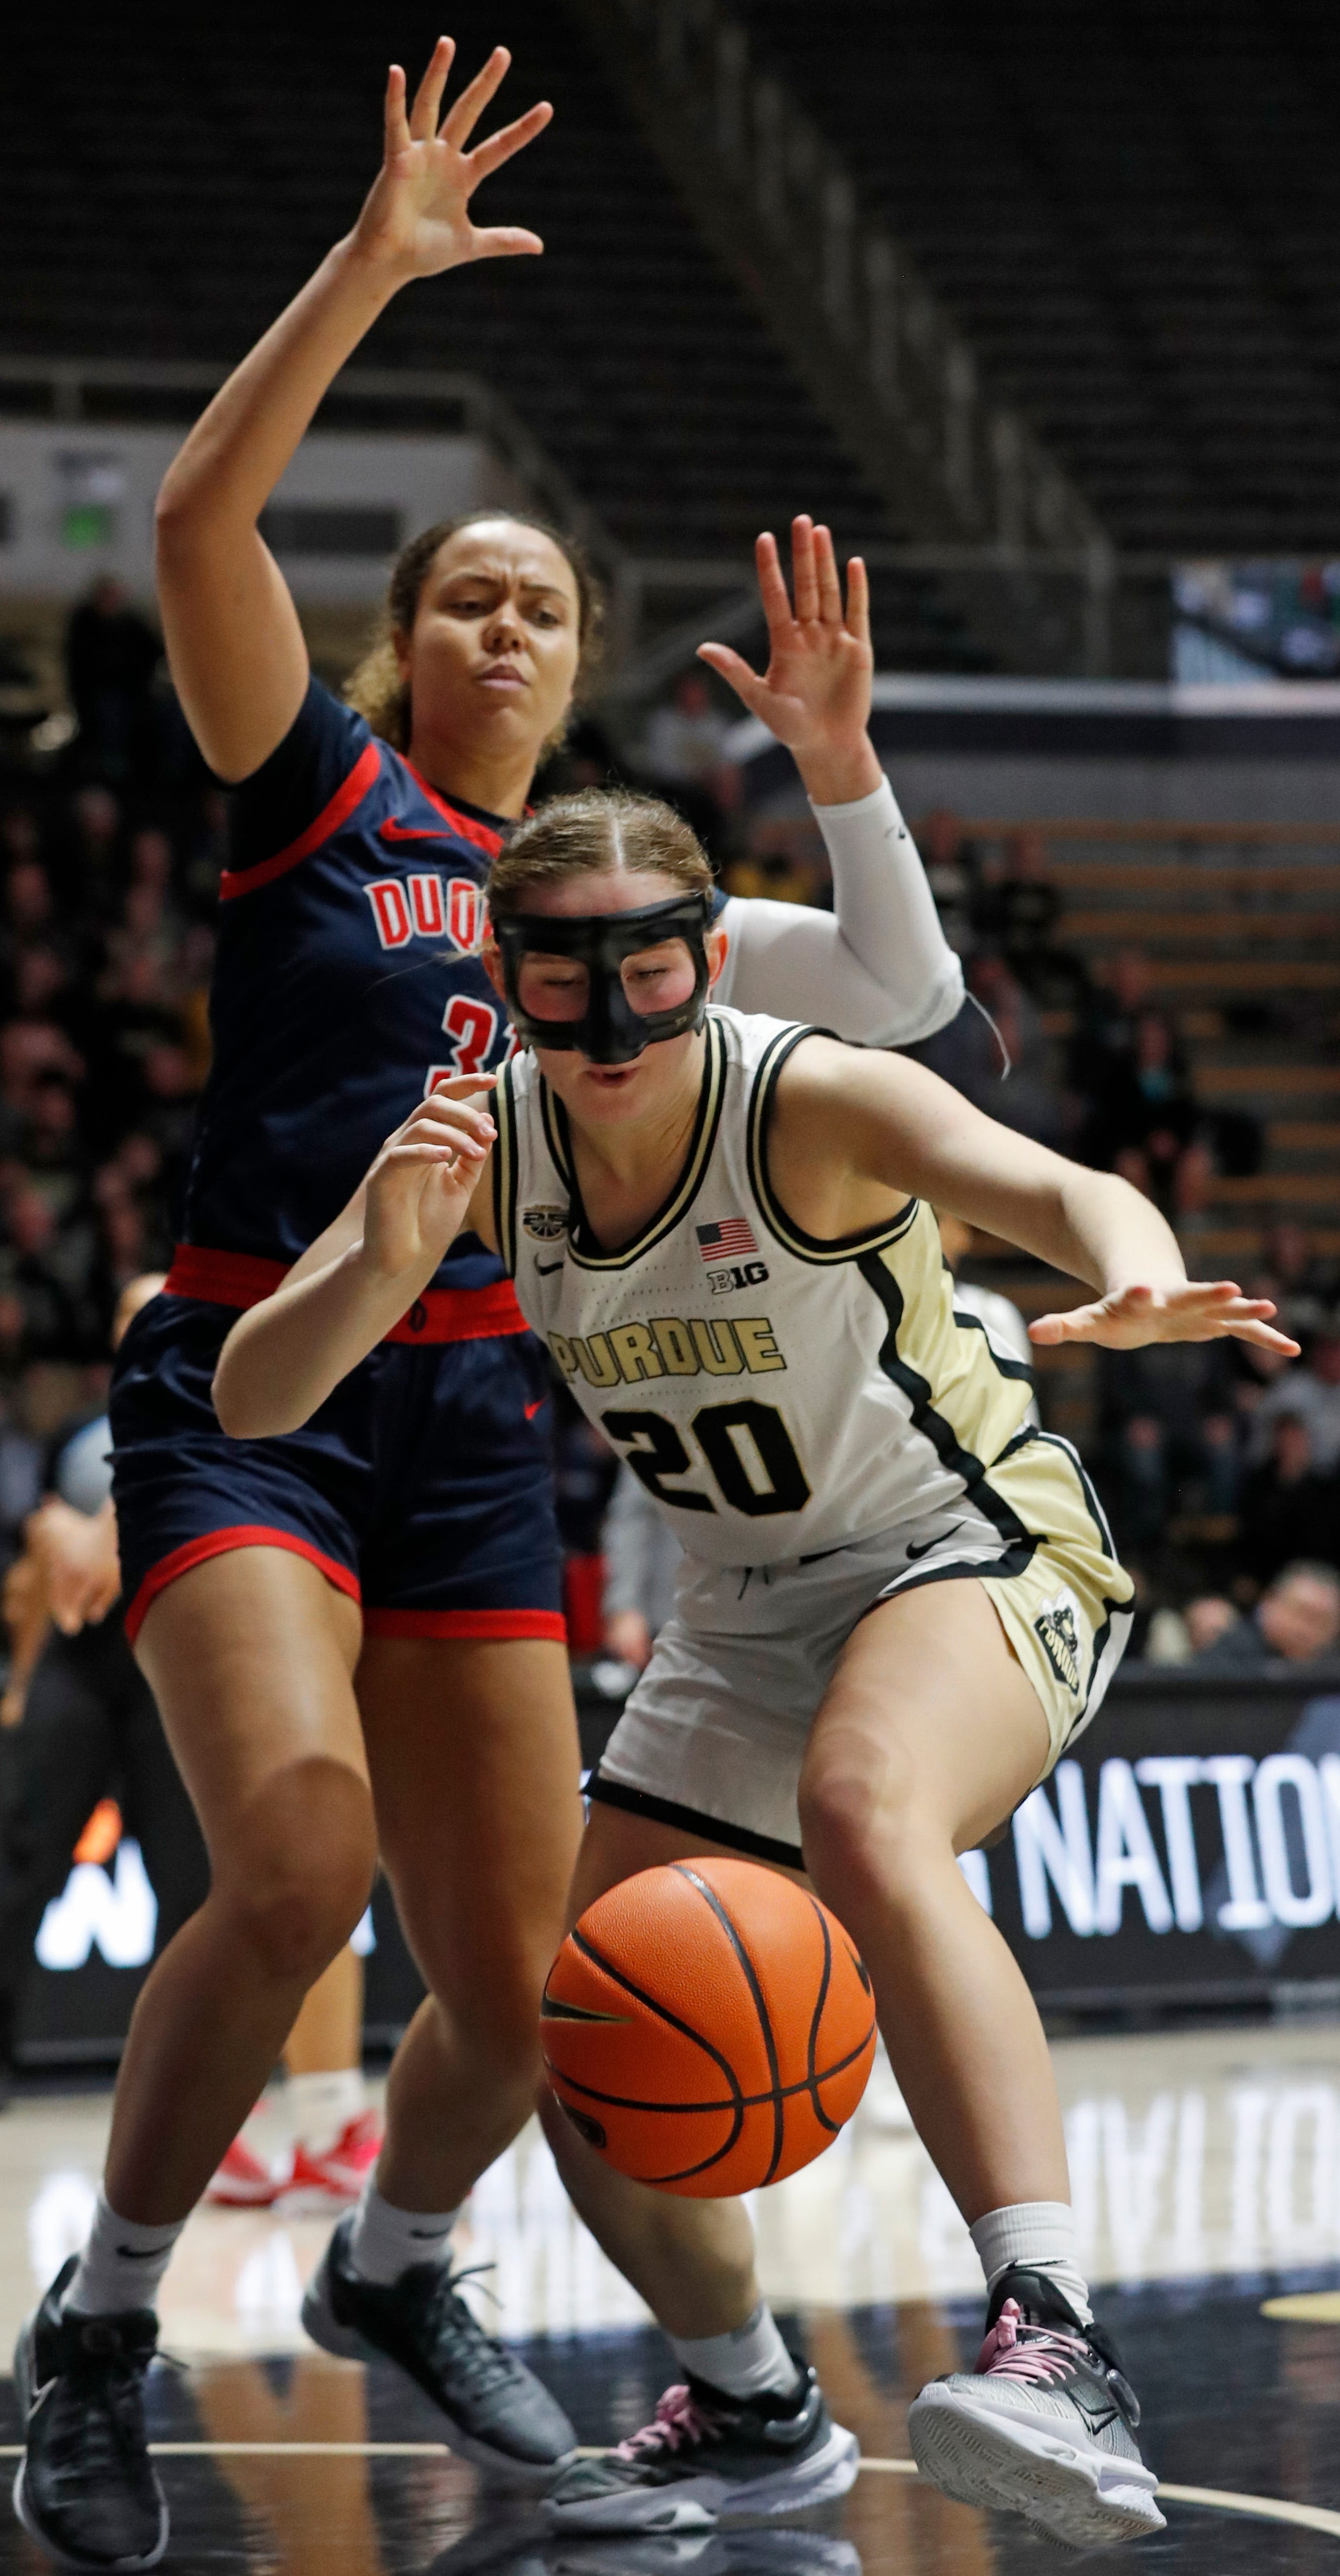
354,1632
348,976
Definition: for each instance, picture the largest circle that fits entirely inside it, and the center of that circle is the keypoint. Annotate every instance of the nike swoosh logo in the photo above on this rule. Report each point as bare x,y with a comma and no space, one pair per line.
546,1269
927,1544
533,1409
411,832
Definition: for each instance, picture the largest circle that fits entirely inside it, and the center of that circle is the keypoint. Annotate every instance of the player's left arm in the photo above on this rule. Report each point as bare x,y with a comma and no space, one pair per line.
878,968
856,1134
431,1180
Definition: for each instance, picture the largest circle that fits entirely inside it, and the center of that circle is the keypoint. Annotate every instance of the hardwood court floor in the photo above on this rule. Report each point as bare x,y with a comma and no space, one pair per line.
1207,2173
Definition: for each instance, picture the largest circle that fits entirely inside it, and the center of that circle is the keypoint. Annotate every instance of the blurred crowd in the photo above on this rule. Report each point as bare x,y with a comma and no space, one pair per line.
110,851
1219,1465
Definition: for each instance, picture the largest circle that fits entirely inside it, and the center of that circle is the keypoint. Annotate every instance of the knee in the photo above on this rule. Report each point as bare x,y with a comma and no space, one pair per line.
297,1895
865,1844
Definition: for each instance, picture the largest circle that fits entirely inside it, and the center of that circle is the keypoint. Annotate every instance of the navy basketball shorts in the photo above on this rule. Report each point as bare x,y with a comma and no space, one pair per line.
422,1489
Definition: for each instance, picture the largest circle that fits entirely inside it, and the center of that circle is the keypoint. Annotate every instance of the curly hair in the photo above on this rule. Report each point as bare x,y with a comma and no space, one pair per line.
375,687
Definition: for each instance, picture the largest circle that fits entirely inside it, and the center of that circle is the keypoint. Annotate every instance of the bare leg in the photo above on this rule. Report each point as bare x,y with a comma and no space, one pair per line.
474,1761
328,2033
249,1657
929,1735
691,2260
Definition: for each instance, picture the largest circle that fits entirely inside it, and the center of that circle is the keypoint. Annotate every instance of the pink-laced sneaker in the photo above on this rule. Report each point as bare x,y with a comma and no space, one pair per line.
705,2455
1044,2426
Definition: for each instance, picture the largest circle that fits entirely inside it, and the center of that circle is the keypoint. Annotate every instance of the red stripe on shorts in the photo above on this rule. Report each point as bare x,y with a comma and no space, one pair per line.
494,1625
221,1542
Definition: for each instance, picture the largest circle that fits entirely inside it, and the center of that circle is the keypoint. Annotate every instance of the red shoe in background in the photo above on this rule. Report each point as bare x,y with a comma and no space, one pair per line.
243,2182
334,2178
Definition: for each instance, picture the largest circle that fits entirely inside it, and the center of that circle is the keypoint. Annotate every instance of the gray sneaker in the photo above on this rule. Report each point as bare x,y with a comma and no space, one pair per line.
705,2455
496,2412
1044,2426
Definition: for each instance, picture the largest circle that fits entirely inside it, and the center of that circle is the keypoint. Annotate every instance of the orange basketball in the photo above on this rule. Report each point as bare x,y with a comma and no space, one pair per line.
708,2027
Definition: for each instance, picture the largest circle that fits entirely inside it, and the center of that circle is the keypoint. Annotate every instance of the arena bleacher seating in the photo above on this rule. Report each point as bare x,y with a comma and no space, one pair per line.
199,177
1241,928
1132,212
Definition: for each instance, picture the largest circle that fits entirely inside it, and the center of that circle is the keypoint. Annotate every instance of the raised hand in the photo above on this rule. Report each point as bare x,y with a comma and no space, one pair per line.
416,219
1190,1311
420,1187
815,694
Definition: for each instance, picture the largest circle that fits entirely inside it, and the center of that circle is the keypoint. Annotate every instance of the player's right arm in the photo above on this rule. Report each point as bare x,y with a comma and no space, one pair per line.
431,1179
234,644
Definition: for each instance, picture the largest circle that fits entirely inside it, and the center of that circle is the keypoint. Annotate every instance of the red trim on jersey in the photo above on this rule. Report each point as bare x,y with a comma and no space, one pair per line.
221,1542
495,1626
235,881
464,825
242,1279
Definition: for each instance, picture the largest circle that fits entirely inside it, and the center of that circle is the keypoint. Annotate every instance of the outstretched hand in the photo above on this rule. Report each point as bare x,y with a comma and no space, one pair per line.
1190,1311
419,1189
815,694
416,218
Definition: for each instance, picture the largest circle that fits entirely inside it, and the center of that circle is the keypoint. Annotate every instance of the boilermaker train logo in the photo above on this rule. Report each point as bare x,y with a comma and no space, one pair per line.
1057,1624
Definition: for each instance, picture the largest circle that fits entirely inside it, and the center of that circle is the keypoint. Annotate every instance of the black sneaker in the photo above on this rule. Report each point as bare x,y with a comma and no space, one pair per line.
1045,2425
497,2412
86,2488
705,2455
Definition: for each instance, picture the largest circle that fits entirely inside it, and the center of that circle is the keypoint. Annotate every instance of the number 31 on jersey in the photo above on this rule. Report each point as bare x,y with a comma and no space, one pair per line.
473,1026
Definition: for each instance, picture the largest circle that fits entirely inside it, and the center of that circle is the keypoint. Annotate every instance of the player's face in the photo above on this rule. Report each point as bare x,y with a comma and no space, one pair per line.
493,654
615,1095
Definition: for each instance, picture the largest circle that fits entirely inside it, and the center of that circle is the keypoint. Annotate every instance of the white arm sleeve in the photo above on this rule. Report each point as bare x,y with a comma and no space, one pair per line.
878,967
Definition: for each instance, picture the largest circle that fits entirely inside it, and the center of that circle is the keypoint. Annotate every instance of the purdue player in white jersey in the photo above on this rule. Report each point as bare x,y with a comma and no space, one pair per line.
898,1601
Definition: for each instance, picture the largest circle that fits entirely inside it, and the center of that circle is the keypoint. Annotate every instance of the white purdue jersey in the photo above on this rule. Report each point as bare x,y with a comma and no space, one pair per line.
777,1395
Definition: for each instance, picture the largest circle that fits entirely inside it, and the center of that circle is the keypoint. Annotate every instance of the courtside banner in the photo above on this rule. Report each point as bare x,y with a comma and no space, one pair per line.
1187,1851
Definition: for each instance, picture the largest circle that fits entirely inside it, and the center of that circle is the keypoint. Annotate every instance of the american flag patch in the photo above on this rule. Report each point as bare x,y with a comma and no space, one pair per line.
728,1241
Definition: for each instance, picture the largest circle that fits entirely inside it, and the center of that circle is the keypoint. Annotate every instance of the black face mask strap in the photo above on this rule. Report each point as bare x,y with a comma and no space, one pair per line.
609,1031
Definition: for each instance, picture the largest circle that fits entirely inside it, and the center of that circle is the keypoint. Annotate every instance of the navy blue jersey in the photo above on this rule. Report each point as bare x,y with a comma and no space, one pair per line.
348,981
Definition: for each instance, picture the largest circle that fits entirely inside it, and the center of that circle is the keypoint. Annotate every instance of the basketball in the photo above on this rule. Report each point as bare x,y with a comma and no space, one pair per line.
708,2027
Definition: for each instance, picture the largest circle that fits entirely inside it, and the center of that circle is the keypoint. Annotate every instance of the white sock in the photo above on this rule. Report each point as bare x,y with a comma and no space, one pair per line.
321,2106
1041,2235
385,2241
122,2264
749,2362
